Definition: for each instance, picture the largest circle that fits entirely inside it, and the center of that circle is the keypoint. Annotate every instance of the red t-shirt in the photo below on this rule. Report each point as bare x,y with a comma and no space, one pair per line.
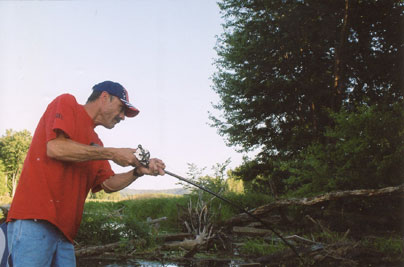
56,190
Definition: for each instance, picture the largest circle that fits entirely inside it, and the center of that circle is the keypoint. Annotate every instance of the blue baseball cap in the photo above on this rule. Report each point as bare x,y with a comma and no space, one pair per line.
119,91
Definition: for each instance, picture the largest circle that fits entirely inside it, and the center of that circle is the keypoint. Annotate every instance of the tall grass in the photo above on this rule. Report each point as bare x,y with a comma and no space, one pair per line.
157,207
111,221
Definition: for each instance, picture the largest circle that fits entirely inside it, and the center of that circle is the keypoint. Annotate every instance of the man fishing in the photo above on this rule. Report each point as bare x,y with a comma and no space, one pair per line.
65,161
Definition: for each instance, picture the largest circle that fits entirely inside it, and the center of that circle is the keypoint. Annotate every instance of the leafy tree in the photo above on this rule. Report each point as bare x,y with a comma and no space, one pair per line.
215,182
3,180
262,175
367,152
13,150
284,66
234,184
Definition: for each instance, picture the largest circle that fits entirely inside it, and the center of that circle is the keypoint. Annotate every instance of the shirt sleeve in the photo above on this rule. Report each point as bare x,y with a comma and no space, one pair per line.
104,172
61,116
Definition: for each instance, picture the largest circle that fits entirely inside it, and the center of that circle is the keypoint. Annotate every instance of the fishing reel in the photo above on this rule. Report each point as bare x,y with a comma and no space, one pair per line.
143,155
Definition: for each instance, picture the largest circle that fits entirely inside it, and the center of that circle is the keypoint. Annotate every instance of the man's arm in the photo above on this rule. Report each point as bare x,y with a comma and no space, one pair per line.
65,149
122,180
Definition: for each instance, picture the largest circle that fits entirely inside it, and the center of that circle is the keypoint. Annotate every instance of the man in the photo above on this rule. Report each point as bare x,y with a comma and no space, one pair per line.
65,161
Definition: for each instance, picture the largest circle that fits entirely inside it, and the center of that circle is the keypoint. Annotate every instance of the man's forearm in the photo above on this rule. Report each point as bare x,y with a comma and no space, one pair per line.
120,181
68,150
65,149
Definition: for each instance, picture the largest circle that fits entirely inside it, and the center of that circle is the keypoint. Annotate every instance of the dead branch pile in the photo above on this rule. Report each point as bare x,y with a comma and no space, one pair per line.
266,209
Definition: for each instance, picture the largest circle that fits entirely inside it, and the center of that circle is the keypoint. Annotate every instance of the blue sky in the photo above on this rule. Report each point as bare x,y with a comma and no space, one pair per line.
161,51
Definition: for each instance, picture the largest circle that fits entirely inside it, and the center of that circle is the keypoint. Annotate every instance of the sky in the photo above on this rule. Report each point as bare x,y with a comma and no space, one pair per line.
161,51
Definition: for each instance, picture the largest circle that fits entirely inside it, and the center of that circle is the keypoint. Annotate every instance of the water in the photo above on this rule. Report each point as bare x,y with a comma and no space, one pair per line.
121,263
96,262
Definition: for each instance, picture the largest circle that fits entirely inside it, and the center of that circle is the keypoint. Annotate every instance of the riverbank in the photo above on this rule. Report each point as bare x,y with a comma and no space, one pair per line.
353,231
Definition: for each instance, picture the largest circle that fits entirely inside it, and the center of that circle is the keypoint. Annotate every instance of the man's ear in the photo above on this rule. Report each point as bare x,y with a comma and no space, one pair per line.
105,97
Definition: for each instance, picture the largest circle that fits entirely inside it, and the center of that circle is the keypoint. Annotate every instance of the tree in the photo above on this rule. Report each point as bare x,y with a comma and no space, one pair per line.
215,182
13,150
367,152
284,66
3,180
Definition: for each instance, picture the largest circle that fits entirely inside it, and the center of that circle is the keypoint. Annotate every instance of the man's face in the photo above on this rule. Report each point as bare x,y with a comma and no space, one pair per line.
113,112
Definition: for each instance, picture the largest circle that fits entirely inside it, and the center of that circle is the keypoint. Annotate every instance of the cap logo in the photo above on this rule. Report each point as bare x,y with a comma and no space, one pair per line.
125,95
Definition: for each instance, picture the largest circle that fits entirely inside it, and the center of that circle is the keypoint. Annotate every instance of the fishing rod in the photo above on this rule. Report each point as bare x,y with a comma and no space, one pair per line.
143,156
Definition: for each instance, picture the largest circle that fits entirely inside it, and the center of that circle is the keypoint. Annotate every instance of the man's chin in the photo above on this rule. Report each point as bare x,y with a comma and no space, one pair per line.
112,125
109,126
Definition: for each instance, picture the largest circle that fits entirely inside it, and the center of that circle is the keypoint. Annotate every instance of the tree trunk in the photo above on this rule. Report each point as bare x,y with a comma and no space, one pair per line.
14,184
338,69
387,191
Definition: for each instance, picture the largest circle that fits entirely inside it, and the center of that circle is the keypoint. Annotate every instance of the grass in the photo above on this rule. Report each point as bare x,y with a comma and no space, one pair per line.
385,245
110,221
259,247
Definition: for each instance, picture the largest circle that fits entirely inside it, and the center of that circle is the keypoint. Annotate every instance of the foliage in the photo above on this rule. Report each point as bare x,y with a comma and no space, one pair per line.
234,185
263,175
157,207
3,180
103,223
285,68
215,182
13,150
385,245
365,150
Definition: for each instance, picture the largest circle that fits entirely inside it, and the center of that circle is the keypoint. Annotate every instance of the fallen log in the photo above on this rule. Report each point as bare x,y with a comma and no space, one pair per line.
265,209
251,231
154,221
88,251
189,244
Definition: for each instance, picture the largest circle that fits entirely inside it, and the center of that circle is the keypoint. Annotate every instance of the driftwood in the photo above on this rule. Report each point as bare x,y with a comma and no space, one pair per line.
251,231
154,221
87,251
188,244
265,209
198,222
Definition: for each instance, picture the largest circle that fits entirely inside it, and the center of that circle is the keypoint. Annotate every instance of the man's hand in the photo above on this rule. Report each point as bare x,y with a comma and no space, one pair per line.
156,167
122,180
125,157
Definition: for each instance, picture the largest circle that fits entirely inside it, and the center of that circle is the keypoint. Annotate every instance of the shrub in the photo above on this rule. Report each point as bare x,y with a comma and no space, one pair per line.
102,223
364,149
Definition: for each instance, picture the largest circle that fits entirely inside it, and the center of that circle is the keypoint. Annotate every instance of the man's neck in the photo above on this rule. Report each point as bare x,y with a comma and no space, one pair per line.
92,110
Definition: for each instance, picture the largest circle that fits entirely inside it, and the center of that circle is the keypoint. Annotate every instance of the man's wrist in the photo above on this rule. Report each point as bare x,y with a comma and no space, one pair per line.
136,172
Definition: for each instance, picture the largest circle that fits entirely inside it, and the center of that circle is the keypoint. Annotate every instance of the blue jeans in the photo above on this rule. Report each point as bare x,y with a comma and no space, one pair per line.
38,243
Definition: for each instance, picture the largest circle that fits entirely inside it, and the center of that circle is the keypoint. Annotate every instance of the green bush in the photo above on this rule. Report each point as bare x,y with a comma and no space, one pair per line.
364,149
108,222
153,208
